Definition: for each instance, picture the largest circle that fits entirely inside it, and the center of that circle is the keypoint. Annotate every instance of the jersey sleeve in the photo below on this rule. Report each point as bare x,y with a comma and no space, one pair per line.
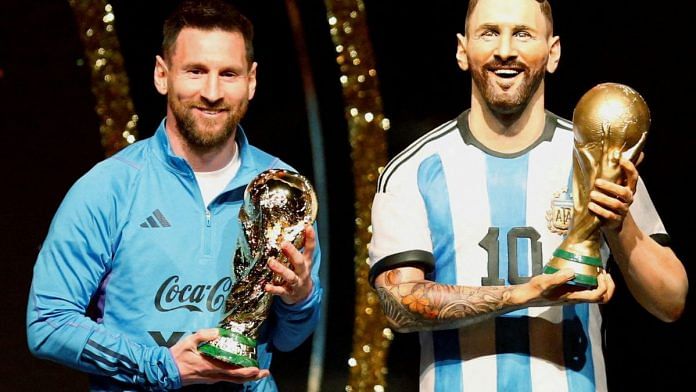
646,216
74,259
400,232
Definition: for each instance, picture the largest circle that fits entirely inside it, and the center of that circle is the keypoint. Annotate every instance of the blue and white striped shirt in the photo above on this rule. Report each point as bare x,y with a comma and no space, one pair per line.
487,219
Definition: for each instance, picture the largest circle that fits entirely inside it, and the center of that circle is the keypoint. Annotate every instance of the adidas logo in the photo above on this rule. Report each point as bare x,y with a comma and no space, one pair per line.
157,219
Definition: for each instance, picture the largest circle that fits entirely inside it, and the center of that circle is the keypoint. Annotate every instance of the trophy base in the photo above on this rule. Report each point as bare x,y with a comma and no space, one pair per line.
586,268
580,280
231,347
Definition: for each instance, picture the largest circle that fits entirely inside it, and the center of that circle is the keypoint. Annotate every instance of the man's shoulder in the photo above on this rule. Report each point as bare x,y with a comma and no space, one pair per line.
409,159
264,160
105,185
261,156
430,138
558,122
117,170
557,133
132,157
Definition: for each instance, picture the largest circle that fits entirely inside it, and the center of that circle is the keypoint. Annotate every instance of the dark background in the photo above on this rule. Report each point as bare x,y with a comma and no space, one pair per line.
50,137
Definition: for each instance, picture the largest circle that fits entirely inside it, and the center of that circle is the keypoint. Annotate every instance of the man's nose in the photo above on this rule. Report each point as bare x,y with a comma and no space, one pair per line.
211,89
506,48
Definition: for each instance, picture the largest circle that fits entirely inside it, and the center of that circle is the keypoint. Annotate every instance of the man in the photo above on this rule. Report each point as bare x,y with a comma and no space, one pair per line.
148,235
459,224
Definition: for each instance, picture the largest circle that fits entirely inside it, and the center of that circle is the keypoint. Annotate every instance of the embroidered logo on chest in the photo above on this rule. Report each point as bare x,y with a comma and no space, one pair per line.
156,220
560,214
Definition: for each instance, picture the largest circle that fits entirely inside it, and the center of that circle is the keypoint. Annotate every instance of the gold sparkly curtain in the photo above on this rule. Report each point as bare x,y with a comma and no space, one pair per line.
95,22
367,126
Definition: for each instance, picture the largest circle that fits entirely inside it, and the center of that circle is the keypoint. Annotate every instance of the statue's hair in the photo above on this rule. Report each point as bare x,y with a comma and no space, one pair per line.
543,4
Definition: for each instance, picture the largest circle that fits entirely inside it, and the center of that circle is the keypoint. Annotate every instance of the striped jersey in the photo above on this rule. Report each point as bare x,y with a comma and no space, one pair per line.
489,218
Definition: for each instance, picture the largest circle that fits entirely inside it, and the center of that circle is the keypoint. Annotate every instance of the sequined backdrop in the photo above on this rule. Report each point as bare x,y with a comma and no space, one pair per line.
118,121
367,126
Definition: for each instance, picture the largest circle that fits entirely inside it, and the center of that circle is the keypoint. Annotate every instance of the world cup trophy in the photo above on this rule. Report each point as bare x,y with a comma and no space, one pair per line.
278,204
610,122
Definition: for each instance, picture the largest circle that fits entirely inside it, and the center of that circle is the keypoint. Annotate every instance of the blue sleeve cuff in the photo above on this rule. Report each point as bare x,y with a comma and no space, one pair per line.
162,372
303,305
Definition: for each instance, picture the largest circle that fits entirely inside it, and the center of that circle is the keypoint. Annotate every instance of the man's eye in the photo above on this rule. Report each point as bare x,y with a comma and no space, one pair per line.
523,35
229,75
195,71
489,35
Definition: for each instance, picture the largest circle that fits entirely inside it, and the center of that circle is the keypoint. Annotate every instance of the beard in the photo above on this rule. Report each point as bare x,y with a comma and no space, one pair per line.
509,102
205,134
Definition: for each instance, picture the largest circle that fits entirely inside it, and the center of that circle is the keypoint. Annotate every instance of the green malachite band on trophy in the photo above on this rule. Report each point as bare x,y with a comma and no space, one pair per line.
564,254
578,280
245,340
214,351
227,357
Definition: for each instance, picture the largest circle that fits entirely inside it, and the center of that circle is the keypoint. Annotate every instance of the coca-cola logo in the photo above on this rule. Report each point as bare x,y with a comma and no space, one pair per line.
172,295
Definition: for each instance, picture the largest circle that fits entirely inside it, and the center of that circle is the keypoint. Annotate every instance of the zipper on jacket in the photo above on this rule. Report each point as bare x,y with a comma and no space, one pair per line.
208,233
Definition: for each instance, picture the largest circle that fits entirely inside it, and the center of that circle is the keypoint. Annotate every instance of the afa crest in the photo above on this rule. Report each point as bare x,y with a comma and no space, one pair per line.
561,213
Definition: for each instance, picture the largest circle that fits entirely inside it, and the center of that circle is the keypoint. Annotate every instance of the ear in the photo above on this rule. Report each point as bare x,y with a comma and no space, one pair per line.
554,54
462,61
252,80
161,73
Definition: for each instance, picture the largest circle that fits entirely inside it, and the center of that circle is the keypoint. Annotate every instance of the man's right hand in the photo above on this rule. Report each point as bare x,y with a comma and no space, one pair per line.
196,368
551,289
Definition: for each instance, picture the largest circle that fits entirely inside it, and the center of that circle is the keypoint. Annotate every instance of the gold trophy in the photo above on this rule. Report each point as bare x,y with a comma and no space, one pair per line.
610,122
277,206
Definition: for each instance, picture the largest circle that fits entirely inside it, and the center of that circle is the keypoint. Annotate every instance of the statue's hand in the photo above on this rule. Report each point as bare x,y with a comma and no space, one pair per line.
635,153
610,201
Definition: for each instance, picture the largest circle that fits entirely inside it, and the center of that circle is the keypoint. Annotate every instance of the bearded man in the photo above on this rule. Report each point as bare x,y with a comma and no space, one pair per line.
149,234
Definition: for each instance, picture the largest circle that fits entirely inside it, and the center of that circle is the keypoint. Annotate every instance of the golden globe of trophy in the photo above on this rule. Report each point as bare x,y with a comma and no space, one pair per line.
278,204
610,122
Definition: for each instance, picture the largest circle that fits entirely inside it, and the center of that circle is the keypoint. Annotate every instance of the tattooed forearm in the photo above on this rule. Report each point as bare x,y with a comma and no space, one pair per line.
425,305
398,317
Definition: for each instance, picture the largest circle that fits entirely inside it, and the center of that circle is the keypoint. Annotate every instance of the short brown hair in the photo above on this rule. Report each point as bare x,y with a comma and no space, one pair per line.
206,15
543,4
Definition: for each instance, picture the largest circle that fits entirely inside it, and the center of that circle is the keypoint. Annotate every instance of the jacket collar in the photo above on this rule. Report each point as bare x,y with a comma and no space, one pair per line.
162,149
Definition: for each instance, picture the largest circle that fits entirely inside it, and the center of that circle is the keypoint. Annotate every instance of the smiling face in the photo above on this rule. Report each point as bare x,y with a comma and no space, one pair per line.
508,48
208,83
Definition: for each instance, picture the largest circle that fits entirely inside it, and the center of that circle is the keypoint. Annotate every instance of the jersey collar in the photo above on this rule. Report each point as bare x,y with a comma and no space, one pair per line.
469,139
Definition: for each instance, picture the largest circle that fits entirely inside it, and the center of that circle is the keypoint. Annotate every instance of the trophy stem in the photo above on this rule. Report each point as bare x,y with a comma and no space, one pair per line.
580,249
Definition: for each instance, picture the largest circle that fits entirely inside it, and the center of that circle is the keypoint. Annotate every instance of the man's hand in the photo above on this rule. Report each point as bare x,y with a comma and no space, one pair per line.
296,284
551,289
195,368
610,202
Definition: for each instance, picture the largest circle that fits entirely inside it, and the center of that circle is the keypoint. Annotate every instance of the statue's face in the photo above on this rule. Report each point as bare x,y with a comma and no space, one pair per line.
507,49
